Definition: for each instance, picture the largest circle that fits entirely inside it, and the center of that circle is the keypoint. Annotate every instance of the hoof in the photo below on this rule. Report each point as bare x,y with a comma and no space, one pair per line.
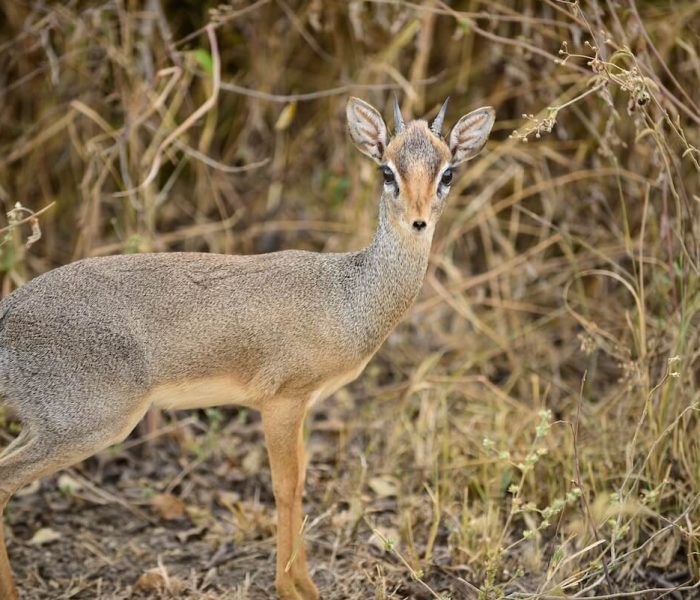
307,589
287,591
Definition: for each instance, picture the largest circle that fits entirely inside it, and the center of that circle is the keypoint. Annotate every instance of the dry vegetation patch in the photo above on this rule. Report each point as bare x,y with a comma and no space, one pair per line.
530,431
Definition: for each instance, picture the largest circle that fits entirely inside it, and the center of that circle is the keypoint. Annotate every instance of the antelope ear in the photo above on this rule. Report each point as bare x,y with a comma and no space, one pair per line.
367,128
470,133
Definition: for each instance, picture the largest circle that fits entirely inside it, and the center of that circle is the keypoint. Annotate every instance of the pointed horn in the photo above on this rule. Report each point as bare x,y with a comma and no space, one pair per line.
398,119
436,126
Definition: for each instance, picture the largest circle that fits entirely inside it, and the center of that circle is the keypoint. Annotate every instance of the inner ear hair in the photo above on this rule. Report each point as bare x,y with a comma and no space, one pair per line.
367,128
470,133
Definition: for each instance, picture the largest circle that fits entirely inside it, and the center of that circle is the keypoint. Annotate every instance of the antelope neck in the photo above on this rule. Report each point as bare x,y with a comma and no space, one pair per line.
391,276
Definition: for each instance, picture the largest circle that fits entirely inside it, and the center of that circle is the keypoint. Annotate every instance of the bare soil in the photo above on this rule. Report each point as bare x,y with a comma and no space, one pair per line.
107,537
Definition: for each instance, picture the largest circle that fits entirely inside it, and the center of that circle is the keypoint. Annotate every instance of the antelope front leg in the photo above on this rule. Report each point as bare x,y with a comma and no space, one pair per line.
282,424
300,570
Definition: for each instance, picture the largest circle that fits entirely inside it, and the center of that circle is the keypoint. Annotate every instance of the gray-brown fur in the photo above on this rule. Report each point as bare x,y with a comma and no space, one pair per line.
145,320
84,348
419,145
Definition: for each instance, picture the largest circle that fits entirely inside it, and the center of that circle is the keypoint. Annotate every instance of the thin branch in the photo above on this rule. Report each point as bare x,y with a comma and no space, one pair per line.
29,219
220,22
579,483
334,91
191,120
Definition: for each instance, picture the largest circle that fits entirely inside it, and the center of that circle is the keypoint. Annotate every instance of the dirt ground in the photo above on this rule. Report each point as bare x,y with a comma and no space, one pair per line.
149,520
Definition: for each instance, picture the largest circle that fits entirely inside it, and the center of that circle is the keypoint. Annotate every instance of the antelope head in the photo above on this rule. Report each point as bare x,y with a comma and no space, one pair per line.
417,163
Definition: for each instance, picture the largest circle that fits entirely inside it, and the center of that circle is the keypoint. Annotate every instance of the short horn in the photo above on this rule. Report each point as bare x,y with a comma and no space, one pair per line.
398,119
436,126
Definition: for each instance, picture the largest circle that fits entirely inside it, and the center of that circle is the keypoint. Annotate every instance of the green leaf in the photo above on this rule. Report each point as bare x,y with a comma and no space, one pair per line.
204,58
506,480
621,54
7,259
132,244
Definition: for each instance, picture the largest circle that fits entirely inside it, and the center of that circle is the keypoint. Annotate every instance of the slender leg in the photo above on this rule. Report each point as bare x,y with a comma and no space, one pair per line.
23,461
37,453
35,457
300,569
7,586
282,424
16,444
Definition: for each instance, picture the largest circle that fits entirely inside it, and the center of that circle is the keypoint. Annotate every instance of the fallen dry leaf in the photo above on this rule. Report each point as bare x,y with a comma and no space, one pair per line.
151,581
384,486
68,484
157,580
45,535
168,506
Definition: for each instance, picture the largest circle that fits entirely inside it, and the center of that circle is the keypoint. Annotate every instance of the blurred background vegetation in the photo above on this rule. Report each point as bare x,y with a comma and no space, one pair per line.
530,430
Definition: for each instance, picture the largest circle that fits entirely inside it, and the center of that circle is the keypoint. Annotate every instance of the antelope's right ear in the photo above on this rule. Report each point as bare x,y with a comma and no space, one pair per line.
367,128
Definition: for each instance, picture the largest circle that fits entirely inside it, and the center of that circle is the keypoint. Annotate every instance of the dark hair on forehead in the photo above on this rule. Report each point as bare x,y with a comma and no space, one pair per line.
417,147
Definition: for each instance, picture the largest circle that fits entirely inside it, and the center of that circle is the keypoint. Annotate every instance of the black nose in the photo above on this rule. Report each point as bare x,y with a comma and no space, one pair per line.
418,225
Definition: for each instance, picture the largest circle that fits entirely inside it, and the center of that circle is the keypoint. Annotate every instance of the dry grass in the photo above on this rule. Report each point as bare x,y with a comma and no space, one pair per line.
531,430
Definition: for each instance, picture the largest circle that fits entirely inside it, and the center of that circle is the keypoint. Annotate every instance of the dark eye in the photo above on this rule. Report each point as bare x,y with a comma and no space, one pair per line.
446,177
388,175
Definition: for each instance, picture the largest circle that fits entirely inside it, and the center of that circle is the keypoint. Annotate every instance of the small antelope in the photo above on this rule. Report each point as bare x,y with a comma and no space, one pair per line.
86,349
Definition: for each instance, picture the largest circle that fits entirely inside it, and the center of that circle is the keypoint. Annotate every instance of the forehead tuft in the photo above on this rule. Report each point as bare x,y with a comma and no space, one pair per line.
417,148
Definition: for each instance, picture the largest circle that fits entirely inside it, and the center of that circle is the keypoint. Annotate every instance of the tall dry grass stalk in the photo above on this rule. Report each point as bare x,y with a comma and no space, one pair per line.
531,430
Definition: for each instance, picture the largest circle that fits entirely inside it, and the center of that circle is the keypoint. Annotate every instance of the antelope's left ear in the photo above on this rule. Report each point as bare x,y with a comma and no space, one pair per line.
470,133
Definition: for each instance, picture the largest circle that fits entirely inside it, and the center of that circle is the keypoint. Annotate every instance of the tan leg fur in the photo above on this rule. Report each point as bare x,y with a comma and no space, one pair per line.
283,427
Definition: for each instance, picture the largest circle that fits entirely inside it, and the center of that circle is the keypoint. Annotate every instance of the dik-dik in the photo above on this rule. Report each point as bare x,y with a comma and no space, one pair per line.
86,349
